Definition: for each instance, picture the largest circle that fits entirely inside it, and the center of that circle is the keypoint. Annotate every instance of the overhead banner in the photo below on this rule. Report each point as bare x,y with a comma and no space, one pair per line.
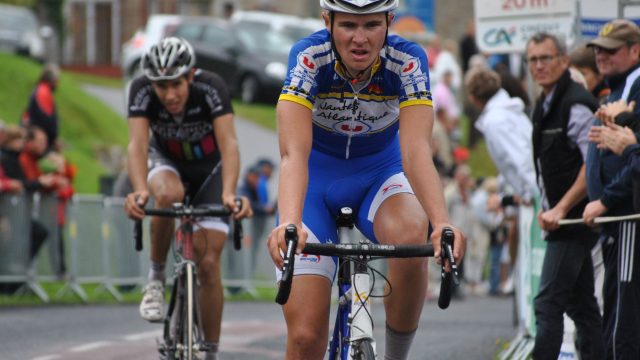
504,26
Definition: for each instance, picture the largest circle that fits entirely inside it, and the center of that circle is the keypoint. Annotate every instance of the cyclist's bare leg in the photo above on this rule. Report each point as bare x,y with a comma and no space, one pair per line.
401,220
307,316
165,188
208,247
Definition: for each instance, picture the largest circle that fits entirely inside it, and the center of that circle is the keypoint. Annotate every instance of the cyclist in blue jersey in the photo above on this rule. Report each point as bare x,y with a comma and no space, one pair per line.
181,132
355,119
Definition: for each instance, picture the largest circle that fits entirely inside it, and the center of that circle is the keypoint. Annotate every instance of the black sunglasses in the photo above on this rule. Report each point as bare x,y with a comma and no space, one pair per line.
601,50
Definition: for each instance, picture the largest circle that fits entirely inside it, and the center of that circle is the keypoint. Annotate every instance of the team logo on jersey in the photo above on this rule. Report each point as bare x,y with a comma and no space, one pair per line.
410,66
314,259
375,89
349,127
306,62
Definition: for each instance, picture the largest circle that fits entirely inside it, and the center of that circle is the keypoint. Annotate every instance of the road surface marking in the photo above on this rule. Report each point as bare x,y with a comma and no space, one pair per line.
90,346
47,357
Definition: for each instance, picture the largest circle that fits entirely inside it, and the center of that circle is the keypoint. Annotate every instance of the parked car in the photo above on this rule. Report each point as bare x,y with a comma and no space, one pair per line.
251,56
293,27
157,27
21,33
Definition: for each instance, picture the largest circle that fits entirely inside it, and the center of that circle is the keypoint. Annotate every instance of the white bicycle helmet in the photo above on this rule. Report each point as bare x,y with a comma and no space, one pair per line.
359,6
169,59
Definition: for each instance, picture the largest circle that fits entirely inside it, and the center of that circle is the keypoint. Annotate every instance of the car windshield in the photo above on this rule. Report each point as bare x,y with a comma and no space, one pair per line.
297,32
262,37
16,20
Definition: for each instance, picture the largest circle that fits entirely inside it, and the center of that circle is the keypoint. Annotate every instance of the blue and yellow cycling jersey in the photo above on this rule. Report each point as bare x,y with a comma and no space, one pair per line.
350,122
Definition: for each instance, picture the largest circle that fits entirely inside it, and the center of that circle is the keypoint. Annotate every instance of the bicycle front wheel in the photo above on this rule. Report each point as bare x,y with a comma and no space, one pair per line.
363,350
186,332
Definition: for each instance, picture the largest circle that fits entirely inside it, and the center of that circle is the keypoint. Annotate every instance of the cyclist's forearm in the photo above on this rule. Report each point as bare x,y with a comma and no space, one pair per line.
137,165
294,176
416,123
225,133
230,171
295,138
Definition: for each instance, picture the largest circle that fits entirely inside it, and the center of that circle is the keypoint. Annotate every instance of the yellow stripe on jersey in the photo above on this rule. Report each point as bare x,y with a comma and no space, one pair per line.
296,99
416,102
348,95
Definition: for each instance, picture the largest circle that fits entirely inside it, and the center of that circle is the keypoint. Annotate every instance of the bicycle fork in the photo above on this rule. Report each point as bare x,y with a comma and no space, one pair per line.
353,319
361,321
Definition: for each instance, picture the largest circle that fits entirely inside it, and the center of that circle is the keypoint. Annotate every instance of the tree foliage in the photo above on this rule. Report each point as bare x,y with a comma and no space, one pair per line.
26,3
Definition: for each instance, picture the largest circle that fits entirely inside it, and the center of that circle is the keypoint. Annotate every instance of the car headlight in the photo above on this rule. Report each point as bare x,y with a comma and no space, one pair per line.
276,70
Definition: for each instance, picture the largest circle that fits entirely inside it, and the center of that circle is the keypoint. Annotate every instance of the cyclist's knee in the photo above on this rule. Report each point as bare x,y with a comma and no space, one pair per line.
164,196
407,230
209,270
308,342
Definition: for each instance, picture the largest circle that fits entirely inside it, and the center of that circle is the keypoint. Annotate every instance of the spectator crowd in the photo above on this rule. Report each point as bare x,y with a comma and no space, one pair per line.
571,151
31,162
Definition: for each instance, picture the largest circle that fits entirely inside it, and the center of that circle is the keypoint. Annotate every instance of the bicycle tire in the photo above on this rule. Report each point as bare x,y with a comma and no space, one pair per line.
363,350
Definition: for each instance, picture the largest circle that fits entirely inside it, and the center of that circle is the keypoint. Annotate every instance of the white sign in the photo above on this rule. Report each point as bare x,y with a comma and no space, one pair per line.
504,26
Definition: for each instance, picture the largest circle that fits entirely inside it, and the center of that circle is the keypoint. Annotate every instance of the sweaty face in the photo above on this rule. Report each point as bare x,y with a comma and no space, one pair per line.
358,38
545,63
173,94
616,61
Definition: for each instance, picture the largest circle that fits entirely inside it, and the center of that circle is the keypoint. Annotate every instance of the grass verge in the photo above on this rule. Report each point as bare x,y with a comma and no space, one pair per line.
60,294
86,123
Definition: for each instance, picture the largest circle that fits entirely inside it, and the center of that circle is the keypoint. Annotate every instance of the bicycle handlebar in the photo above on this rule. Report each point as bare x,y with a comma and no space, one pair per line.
446,254
291,237
180,210
387,251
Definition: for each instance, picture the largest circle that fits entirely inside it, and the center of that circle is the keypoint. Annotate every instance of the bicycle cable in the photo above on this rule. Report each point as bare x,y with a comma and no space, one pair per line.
371,287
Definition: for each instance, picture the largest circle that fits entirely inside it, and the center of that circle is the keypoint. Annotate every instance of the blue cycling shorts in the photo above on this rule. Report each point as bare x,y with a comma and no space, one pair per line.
361,183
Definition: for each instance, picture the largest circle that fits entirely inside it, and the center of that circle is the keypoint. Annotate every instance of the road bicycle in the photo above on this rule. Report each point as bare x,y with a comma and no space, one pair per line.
352,336
183,337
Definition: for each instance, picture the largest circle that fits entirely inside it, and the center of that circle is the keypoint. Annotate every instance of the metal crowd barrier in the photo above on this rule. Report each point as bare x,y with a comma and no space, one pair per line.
98,249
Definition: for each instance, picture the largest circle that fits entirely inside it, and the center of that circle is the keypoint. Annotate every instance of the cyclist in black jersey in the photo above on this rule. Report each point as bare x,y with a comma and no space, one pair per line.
181,131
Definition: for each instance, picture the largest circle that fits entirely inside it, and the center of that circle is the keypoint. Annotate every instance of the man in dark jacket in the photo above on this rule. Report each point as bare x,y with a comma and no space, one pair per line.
561,119
617,50
41,110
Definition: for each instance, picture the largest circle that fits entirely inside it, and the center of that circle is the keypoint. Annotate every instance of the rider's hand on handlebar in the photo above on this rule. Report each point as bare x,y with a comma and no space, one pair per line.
242,212
277,245
134,204
459,243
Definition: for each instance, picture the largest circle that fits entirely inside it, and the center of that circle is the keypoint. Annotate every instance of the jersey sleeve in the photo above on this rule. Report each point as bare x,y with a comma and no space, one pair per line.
140,94
301,84
410,64
218,96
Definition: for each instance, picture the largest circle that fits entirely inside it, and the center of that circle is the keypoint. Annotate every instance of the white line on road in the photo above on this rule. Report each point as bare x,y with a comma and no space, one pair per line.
47,357
143,335
90,346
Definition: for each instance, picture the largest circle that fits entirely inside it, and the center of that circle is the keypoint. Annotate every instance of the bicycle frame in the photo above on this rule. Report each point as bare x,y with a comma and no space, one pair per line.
183,333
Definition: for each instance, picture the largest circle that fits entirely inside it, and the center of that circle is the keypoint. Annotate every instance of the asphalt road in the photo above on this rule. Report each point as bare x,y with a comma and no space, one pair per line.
472,329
